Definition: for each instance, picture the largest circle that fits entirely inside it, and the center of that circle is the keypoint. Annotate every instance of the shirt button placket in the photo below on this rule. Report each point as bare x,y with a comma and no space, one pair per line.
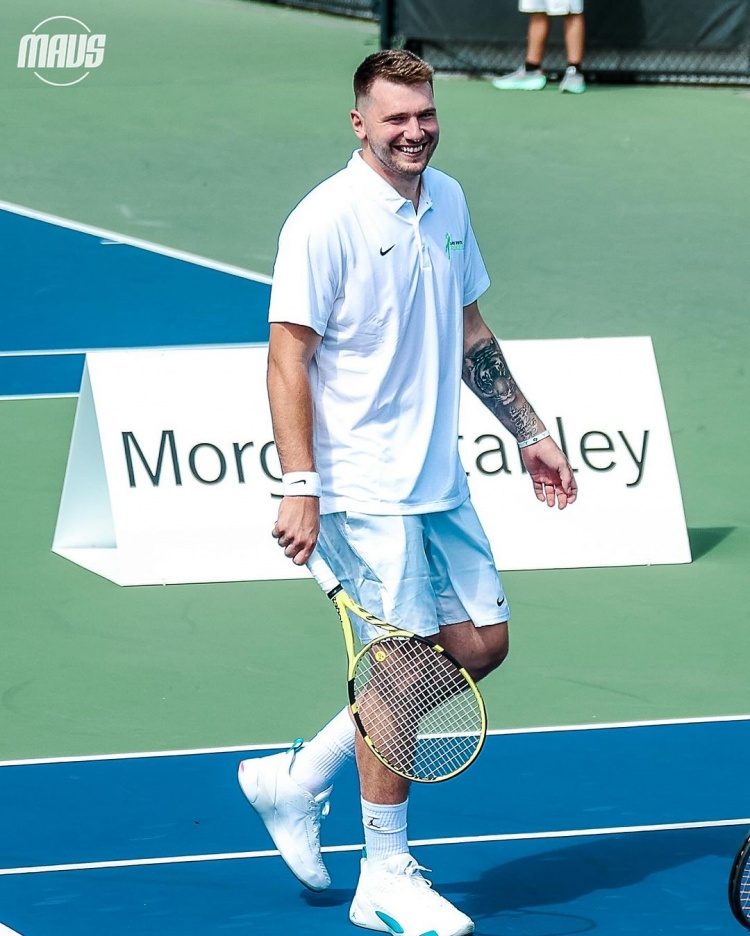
424,253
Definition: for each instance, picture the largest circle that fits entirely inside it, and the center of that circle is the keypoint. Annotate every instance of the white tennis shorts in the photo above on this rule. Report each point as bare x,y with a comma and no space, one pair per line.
416,571
551,7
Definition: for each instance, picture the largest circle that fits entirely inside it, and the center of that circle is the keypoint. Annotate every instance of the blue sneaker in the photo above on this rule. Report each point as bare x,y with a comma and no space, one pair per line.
521,80
291,814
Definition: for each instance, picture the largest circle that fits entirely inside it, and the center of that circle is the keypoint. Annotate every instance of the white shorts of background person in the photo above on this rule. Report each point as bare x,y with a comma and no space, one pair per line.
551,7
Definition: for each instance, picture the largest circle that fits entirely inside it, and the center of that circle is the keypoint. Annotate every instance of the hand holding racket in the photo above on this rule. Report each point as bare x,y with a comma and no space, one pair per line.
739,885
416,707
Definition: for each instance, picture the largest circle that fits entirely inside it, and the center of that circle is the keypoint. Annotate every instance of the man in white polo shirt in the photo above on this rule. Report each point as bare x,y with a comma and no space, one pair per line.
374,323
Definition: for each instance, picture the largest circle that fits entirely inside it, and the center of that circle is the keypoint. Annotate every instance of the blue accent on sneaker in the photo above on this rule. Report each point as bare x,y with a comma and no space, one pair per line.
393,925
296,744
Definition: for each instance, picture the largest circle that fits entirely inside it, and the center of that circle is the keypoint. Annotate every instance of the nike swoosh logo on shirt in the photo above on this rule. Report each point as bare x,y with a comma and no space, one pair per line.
388,250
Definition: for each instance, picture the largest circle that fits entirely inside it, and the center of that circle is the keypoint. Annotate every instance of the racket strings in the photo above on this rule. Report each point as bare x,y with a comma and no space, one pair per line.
743,893
739,885
417,708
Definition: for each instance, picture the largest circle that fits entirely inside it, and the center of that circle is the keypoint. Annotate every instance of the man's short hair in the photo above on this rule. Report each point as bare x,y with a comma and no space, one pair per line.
396,65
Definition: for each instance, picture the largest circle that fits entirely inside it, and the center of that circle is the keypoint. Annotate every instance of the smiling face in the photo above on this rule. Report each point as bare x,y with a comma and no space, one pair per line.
397,124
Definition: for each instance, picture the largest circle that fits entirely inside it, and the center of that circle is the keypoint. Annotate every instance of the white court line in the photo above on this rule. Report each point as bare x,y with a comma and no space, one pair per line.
7,931
189,752
652,723
114,239
331,849
59,352
111,238
83,758
23,397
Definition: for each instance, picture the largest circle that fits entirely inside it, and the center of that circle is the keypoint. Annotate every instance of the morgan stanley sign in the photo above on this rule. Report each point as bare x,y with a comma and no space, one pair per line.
173,475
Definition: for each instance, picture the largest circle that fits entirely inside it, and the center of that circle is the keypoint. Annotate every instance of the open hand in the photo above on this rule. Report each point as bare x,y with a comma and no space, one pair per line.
550,473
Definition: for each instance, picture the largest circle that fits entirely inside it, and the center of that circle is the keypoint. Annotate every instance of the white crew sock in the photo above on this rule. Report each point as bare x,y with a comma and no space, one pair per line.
385,830
318,761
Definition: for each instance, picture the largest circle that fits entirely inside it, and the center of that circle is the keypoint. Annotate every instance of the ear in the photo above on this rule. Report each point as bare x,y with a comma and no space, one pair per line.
358,124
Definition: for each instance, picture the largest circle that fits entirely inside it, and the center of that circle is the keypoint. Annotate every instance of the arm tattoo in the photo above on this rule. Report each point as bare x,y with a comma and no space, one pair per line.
486,372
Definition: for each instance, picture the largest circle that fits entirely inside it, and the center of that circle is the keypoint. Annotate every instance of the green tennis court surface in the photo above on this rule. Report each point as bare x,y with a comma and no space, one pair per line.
622,212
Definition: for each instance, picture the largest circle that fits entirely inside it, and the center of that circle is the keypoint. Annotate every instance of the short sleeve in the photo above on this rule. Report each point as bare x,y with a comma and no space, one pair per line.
308,272
476,278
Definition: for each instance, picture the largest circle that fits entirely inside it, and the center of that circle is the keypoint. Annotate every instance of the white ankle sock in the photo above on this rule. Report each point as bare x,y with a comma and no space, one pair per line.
385,830
318,761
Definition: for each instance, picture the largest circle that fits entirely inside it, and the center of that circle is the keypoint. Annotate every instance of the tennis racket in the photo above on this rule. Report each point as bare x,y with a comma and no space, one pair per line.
739,885
416,707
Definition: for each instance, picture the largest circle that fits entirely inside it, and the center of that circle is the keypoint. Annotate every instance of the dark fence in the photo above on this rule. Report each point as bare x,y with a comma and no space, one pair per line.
641,40
706,41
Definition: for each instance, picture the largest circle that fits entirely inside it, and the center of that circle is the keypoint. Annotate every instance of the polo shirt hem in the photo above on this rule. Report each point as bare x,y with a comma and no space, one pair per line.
329,505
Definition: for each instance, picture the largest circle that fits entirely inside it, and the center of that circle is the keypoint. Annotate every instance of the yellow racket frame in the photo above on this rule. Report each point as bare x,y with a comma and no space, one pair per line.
343,604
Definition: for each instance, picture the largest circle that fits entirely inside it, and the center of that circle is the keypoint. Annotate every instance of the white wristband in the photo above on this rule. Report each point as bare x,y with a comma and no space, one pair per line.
301,484
533,439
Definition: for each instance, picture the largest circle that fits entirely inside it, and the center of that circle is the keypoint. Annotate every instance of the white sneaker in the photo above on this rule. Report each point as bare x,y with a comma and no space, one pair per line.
521,80
291,814
393,897
573,81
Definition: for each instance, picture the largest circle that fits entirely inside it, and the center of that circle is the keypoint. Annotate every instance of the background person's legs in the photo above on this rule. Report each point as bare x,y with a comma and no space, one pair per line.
574,31
536,40
529,77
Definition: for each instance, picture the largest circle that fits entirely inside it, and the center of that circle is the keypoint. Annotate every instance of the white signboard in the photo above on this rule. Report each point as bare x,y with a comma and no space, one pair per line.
601,399
173,476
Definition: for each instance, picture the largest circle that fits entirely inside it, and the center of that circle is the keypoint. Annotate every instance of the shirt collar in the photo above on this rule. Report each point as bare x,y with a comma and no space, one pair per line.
366,175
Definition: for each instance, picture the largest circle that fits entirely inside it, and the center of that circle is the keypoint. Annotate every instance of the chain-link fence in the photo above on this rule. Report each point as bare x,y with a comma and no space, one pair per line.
695,41
642,40
605,64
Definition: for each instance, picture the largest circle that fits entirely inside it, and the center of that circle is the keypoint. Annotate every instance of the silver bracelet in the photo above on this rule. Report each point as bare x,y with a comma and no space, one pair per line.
533,439
301,484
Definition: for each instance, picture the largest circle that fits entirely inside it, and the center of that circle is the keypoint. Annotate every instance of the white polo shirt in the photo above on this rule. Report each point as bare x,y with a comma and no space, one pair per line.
385,287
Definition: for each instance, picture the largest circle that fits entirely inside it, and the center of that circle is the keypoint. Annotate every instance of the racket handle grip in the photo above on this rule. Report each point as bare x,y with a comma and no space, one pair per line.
322,574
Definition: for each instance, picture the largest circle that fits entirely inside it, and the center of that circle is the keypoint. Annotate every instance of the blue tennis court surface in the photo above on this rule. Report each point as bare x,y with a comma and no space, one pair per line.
68,289
615,830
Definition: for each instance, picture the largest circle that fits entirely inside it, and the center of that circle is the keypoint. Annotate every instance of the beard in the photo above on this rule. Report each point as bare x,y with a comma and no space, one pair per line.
401,163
